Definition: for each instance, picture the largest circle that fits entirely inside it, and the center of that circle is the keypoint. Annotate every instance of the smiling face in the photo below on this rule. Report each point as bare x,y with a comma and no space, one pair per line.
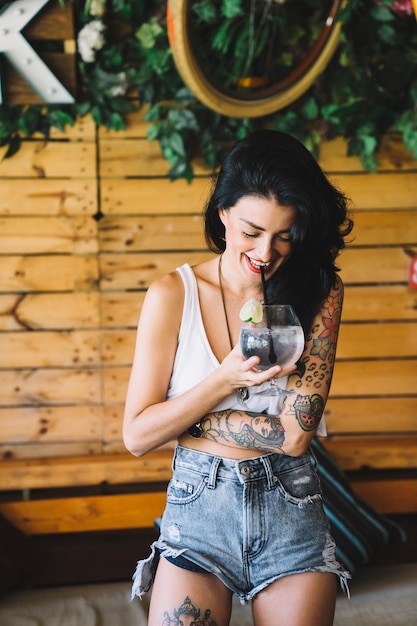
257,233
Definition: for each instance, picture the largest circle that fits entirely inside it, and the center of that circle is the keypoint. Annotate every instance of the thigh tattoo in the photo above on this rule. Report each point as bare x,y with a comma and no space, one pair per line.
188,615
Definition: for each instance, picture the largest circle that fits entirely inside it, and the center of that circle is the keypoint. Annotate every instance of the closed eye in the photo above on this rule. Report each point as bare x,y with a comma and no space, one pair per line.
285,238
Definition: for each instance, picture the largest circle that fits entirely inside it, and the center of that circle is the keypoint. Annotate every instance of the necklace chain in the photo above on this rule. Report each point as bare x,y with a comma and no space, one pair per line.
242,392
224,303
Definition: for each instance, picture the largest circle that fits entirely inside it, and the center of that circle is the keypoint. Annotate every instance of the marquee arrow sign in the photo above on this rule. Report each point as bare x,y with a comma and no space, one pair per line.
24,58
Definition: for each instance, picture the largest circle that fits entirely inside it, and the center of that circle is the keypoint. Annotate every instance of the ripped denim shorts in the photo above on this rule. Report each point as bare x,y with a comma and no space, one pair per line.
247,522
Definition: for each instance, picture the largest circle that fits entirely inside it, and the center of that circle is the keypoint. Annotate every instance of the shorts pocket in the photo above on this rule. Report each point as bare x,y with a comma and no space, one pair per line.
300,483
185,486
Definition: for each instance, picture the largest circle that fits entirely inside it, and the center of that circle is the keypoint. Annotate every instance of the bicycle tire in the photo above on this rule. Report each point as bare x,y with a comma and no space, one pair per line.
281,95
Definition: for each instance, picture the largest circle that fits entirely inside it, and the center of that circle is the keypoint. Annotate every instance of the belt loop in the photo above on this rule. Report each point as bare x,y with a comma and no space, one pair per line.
268,471
174,458
213,472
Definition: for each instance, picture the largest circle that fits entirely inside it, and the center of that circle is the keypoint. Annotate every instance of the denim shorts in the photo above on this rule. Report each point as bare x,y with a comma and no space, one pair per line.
248,522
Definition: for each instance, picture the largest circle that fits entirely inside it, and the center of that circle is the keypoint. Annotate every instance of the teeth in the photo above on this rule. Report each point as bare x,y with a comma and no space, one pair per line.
259,265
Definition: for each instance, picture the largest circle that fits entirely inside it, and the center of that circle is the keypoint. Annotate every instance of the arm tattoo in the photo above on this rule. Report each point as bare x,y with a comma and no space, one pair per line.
324,345
260,432
265,433
308,411
315,369
316,366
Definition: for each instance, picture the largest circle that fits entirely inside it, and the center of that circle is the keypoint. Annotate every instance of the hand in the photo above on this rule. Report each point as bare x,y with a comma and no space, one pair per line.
241,372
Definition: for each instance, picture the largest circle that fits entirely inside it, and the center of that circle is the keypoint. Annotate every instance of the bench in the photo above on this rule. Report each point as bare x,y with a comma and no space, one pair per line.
38,495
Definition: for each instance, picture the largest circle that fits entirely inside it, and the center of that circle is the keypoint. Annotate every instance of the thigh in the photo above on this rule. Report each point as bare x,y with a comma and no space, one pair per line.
306,599
182,597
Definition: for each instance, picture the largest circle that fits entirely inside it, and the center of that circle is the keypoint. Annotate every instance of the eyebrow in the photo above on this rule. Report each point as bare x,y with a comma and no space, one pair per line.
249,223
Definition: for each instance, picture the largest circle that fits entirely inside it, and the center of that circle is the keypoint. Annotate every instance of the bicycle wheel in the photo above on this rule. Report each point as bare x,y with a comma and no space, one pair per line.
257,61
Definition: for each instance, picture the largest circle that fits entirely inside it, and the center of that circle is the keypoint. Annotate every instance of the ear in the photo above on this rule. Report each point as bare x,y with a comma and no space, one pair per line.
222,216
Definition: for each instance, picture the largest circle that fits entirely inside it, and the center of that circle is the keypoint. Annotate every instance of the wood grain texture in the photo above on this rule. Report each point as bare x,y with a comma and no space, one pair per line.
71,515
87,222
48,196
53,159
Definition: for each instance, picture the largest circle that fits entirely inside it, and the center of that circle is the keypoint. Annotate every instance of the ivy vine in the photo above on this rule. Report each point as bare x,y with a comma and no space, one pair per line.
368,88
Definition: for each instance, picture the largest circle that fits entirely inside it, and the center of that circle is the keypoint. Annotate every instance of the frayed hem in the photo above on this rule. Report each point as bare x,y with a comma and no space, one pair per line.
144,574
343,580
343,576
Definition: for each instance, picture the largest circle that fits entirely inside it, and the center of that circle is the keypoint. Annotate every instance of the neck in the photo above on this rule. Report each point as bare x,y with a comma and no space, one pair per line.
231,284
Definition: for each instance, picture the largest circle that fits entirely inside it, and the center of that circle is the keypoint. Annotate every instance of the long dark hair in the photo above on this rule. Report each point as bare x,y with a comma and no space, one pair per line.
271,164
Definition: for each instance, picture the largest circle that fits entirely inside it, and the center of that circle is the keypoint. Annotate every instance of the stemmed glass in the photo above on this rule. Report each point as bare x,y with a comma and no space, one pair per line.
277,340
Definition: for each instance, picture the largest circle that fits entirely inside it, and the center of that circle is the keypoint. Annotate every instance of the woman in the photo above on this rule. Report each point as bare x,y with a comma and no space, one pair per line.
244,512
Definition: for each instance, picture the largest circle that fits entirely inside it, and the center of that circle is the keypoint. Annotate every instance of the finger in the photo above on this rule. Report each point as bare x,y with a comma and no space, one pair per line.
250,364
260,377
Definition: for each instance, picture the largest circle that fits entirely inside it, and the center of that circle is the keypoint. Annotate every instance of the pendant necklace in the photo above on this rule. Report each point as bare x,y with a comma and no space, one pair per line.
242,392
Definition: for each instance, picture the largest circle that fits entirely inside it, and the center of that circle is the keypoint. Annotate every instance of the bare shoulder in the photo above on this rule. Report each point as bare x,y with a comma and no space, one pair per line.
207,271
166,291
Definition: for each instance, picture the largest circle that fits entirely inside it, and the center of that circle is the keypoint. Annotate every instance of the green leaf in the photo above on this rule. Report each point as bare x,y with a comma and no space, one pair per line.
96,115
14,146
60,119
366,89
148,33
116,122
387,33
209,154
177,144
184,96
204,11
370,144
222,39
381,14
153,132
407,125
231,8
29,120
310,109
183,119
121,106
181,169
331,112
369,161
83,108
153,114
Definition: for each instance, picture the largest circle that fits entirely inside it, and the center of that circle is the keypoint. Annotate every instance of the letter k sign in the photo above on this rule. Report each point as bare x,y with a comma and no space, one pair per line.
14,17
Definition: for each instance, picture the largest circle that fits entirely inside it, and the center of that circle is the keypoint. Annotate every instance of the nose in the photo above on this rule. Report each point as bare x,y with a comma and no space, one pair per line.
264,249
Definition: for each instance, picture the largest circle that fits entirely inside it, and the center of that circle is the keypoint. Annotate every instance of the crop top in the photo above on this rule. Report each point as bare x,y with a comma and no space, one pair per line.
195,360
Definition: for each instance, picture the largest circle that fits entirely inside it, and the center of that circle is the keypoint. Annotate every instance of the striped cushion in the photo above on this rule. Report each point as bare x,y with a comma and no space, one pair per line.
359,531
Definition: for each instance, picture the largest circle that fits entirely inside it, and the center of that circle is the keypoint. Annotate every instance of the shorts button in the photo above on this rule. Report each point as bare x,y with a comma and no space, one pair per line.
245,470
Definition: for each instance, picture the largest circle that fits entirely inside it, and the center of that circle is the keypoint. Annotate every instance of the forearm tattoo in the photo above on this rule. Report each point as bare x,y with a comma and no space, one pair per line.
316,366
188,615
308,411
253,431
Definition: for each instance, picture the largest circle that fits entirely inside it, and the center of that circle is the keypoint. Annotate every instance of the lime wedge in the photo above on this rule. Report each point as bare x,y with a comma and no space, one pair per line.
251,311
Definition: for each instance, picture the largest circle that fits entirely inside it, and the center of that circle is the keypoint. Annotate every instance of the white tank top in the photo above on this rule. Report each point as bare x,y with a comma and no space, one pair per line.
195,360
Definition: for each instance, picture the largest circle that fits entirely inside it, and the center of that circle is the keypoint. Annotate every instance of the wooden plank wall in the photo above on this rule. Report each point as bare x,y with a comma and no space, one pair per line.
89,219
